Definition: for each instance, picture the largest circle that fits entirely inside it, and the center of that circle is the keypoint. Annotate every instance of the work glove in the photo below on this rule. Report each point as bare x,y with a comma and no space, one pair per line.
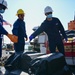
31,37
12,37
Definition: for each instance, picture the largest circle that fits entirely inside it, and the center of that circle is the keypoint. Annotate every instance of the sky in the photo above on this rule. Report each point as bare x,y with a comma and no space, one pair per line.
34,13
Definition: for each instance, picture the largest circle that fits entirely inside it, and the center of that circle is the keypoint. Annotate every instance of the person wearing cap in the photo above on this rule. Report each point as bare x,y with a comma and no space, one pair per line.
53,28
19,29
3,7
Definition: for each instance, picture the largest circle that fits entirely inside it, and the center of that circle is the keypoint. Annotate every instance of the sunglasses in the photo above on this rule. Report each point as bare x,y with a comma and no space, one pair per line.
22,15
2,7
48,13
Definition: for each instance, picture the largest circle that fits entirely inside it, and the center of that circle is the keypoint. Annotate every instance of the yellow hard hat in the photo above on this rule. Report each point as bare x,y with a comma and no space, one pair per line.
20,11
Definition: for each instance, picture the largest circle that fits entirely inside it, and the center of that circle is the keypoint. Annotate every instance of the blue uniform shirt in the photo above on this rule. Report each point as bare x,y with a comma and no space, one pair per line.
53,29
20,30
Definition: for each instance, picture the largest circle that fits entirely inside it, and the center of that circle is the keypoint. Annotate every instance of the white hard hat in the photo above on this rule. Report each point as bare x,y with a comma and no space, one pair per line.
3,2
48,9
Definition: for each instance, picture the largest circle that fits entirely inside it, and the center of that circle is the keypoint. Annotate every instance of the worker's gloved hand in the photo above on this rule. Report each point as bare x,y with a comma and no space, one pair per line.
13,38
66,39
31,37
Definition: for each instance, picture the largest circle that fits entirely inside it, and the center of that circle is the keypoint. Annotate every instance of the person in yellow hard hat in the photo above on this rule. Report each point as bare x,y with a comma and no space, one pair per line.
19,29
20,11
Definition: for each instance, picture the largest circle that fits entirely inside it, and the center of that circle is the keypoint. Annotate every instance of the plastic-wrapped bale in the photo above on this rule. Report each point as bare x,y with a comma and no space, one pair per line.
12,62
50,64
25,62
18,61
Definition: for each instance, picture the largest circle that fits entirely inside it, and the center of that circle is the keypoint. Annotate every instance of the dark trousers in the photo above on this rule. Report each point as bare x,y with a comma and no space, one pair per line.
19,48
0,47
60,47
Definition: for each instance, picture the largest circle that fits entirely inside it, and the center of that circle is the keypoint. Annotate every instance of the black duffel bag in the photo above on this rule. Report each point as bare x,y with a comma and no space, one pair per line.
18,61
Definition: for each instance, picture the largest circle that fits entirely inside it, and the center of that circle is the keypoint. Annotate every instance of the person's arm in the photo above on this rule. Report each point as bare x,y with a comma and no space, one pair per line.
39,30
25,35
10,36
15,28
2,30
62,30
